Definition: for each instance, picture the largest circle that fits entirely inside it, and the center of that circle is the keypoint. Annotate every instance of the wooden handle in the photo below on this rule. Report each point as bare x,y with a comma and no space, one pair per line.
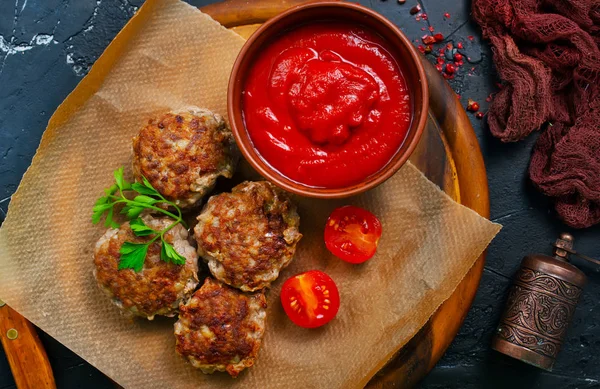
26,355
232,13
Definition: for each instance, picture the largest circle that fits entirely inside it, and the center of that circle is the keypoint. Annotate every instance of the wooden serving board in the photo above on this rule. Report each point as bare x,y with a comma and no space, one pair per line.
449,155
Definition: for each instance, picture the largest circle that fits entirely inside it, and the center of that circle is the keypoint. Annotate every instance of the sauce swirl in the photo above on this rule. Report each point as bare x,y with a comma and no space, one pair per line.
326,104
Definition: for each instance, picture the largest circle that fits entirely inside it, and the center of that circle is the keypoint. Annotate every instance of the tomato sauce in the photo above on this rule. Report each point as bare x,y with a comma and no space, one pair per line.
326,104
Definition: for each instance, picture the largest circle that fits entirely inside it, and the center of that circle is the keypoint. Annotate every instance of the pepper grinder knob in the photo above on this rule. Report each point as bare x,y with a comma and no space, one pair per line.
562,246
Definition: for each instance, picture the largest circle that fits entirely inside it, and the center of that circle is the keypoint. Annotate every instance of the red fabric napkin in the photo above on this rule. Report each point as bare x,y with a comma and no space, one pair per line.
548,54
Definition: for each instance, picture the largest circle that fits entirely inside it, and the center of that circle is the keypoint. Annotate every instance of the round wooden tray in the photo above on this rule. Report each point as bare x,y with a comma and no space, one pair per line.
449,155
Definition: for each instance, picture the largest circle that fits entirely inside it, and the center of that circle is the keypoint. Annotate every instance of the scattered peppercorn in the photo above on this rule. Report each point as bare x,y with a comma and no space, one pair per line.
447,15
479,115
439,37
450,68
428,39
458,57
401,1
416,9
472,105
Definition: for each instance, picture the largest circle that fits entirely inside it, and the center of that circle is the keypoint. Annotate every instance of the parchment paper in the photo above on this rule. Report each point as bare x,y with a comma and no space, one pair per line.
169,56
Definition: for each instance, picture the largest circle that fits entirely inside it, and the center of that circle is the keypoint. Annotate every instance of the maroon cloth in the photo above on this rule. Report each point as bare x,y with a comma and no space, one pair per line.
548,55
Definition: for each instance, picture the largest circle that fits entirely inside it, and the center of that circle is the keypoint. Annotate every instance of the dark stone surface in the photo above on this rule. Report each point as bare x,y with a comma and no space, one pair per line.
47,46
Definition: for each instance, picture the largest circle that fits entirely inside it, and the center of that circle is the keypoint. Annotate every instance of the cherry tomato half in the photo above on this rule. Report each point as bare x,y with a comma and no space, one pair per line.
310,299
352,234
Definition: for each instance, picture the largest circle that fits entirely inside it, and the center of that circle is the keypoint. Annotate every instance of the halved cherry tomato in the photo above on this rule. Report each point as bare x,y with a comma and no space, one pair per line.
352,234
310,299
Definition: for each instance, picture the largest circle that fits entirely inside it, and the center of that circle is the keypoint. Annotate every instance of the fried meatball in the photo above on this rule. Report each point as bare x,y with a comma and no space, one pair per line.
183,153
160,286
221,328
249,235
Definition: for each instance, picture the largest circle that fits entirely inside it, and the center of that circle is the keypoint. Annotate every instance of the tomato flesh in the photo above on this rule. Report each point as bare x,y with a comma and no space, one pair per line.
352,234
310,299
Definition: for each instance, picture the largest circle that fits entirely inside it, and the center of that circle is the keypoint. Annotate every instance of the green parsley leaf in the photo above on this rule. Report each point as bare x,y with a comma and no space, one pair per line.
147,183
163,252
121,182
133,256
102,207
140,229
109,220
111,191
142,189
168,254
119,177
145,199
132,211
102,200
96,216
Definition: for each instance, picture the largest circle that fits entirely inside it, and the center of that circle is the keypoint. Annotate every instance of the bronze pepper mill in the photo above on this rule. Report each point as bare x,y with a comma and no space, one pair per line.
540,306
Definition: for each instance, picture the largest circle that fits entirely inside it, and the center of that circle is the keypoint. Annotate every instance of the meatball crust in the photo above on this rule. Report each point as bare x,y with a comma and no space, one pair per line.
249,235
183,153
221,328
160,286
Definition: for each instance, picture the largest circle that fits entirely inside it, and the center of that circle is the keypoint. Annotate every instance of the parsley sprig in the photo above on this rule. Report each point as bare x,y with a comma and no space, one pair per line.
145,198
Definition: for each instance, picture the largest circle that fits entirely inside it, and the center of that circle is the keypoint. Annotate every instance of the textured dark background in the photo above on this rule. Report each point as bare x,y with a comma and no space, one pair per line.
47,46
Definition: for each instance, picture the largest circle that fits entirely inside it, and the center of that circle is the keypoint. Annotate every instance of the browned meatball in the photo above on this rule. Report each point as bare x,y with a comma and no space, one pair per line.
160,286
249,235
221,328
183,153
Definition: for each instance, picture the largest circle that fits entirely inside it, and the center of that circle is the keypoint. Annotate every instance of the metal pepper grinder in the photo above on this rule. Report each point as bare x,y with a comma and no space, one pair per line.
540,306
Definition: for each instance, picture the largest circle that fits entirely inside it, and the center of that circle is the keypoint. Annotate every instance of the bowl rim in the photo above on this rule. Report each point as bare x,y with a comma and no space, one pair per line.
270,173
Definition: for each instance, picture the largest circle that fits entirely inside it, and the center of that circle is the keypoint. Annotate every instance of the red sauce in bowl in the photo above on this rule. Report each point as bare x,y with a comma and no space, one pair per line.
326,104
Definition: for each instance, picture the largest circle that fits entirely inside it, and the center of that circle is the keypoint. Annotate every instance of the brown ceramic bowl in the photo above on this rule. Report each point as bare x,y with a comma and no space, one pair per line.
309,13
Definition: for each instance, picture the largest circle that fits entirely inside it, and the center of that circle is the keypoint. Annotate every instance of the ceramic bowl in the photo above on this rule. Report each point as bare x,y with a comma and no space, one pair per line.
410,65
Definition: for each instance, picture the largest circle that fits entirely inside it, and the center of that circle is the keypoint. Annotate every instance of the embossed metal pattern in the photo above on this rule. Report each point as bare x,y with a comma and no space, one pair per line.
538,312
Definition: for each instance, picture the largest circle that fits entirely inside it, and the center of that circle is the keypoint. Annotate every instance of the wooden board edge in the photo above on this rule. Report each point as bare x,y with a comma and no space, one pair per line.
474,193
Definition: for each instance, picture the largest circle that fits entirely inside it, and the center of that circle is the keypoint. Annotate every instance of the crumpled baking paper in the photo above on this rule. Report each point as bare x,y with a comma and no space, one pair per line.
170,55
